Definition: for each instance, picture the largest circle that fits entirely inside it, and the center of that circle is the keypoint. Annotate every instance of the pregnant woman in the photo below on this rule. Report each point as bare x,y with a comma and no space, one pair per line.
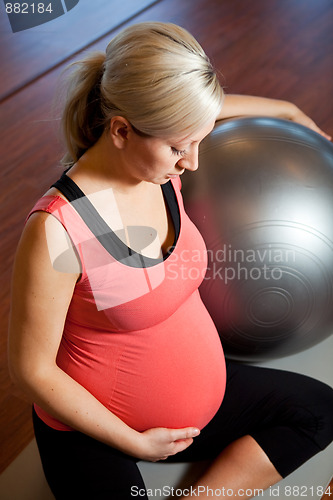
108,336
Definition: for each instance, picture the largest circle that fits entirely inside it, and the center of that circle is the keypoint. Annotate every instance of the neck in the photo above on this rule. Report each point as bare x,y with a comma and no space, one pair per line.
103,164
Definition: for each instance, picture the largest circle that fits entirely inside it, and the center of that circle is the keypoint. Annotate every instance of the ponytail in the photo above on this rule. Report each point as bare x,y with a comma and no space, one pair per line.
82,119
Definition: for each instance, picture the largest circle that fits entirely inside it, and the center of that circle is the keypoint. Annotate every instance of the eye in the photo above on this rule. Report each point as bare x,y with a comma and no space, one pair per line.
178,152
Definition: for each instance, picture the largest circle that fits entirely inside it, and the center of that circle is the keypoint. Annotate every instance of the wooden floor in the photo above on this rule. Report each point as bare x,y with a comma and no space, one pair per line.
277,48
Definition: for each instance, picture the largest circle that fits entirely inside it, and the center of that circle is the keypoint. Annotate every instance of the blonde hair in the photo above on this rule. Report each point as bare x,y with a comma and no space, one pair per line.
156,75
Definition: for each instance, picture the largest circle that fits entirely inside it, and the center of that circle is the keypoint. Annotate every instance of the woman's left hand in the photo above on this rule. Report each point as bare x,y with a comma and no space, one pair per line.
299,117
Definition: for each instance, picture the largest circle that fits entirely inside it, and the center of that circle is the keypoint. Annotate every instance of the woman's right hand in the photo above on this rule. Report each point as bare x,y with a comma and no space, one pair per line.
159,443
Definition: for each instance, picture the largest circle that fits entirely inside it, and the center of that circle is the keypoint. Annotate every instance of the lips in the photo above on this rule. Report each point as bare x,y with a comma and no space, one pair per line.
172,176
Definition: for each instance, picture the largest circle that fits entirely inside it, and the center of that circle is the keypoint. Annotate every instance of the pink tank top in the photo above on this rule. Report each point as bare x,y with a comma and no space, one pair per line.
139,338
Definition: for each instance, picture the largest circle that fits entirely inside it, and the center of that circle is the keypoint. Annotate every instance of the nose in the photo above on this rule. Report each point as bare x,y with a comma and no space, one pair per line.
190,161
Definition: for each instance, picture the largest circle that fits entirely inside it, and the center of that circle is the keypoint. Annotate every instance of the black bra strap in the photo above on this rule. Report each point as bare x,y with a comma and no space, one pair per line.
108,238
83,206
68,187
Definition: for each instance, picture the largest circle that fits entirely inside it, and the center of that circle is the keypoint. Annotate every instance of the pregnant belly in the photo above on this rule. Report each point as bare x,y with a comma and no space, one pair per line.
174,377
170,375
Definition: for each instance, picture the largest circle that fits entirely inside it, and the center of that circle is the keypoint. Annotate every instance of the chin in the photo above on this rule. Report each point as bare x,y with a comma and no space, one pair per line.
160,181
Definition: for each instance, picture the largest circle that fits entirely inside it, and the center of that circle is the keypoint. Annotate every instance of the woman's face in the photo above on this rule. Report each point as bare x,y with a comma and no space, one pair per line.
158,160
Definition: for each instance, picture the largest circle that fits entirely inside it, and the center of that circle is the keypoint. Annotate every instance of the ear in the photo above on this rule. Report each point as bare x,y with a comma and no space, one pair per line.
119,131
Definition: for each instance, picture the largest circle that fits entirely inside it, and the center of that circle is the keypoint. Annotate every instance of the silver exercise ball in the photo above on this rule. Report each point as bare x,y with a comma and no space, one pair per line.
263,201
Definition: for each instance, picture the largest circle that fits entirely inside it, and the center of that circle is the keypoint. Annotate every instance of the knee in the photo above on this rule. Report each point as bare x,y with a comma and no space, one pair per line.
320,410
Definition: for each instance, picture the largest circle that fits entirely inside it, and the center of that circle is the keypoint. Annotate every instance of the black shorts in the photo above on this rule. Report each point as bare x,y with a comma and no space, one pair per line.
289,415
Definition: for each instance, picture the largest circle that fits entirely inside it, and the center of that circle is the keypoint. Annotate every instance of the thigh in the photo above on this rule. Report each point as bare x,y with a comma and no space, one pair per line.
77,466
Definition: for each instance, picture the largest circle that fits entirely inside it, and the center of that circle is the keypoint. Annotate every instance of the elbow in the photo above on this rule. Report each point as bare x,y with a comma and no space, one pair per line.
23,375
31,375
16,372
13,366
27,382
20,386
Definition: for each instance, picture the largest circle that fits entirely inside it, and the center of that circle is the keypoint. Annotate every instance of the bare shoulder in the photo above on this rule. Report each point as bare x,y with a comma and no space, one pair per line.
45,248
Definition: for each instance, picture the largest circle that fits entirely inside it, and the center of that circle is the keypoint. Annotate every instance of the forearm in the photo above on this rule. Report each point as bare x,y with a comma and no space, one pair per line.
57,393
61,396
243,105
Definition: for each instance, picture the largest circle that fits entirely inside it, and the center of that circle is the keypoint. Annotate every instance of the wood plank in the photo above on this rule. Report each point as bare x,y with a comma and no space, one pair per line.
25,55
278,48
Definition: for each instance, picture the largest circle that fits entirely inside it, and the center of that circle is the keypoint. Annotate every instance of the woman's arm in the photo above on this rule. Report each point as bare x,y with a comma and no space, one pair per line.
241,105
41,296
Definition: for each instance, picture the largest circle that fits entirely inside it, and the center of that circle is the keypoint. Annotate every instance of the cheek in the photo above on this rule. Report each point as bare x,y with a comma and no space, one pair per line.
153,158
161,162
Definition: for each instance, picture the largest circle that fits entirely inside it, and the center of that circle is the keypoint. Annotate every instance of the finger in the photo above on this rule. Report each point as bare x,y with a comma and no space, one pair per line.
315,127
303,119
185,433
321,132
154,460
328,137
181,445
